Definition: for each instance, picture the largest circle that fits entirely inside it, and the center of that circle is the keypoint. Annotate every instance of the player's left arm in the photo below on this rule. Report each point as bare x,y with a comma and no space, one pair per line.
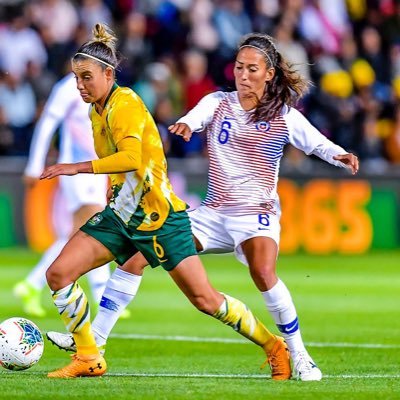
304,136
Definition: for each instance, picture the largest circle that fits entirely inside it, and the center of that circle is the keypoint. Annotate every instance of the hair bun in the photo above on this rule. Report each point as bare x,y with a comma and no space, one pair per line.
102,33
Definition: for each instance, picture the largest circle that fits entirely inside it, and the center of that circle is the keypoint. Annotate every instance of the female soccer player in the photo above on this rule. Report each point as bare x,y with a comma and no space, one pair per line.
247,131
84,195
144,214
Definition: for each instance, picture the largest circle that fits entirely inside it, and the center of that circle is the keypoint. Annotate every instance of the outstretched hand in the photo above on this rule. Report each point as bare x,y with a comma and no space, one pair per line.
350,160
181,129
59,169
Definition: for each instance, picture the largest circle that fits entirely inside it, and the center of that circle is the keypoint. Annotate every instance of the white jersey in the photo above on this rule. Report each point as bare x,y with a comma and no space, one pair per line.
64,109
245,157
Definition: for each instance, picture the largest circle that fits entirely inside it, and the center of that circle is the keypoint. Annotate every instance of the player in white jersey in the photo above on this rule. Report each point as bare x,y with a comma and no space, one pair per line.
247,131
82,195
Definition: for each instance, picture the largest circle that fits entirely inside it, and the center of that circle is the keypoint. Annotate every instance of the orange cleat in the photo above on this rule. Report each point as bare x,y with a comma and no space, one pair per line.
81,365
279,360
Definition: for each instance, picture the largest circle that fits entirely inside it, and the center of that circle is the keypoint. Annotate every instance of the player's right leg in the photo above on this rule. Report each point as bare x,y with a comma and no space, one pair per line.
120,290
81,254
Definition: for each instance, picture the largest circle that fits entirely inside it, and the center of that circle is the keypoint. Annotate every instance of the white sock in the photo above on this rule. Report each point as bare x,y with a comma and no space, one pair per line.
120,290
37,277
280,304
98,279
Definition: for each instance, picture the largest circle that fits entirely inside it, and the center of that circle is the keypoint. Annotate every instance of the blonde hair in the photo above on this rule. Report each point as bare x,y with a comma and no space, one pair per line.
101,48
102,33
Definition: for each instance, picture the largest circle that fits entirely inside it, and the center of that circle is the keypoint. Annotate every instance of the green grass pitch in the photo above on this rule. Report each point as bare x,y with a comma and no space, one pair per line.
349,311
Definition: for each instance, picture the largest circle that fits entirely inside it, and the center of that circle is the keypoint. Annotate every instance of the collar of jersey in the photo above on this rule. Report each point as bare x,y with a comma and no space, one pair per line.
114,86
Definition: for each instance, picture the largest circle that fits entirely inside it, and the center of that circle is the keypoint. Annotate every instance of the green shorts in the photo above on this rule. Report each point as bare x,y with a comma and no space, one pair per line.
166,246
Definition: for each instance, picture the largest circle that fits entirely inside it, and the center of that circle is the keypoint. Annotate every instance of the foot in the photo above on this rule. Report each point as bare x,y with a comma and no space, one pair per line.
30,298
305,368
278,359
65,341
92,365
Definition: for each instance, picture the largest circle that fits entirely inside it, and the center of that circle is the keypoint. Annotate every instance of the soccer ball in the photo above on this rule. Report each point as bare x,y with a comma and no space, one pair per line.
21,344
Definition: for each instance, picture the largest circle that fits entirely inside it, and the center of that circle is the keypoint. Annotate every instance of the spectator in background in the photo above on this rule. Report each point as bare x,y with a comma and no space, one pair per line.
336,104
322,24
348,51
203,34
19,44
175,84
373,52
196,84
93,11
135,47
17,100
41,81
58,17
291,49
56,20
154,86
266,12
196,81
231,22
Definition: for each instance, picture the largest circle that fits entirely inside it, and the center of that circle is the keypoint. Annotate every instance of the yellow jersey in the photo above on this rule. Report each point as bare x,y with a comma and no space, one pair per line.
144,197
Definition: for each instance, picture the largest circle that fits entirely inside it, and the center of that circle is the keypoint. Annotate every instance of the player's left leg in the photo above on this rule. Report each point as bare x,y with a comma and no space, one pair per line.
261,254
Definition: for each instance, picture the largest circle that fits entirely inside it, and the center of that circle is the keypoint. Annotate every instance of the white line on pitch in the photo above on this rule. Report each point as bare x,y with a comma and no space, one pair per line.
217,376
128,336
250,376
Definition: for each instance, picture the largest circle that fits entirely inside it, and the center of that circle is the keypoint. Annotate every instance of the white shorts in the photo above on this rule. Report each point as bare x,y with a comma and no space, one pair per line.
83,189
220,233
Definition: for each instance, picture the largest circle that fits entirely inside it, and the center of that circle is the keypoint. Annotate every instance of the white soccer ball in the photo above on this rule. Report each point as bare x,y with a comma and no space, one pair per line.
21,344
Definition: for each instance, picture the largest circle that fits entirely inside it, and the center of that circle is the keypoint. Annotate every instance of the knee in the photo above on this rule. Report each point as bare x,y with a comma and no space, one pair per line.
203,304
208,303
264,277
56,277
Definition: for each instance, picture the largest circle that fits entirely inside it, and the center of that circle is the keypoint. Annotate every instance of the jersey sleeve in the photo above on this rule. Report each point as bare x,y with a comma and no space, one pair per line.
201,115
304,136
124,160
55,110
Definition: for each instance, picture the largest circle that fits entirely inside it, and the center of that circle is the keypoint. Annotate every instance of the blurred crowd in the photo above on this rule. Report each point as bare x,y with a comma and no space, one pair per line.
173,52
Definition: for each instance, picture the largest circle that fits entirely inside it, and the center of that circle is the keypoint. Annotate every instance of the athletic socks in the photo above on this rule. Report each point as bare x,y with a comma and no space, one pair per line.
98,278
280,304
120,290
73,308
235,314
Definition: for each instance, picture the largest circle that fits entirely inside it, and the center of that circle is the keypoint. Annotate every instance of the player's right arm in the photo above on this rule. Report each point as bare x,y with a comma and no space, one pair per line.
198,117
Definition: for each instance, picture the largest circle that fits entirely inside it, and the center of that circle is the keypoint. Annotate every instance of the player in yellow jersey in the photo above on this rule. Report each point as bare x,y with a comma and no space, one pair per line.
143,215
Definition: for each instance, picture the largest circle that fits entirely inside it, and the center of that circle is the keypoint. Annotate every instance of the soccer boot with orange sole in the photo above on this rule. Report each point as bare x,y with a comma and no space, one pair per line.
278,359
81,365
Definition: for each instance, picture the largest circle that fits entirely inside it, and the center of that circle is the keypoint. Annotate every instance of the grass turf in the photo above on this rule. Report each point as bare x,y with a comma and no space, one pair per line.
348,310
